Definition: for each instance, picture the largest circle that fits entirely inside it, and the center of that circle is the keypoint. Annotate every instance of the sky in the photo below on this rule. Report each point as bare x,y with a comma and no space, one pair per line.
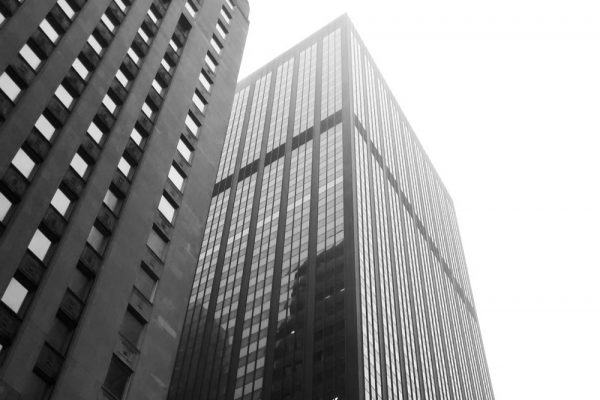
505,98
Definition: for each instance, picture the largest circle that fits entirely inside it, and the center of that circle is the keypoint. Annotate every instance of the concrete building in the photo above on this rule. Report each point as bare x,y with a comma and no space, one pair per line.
113,115
331,265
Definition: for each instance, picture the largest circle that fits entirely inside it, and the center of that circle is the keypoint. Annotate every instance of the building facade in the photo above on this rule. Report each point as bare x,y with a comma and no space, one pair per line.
113,115
331,265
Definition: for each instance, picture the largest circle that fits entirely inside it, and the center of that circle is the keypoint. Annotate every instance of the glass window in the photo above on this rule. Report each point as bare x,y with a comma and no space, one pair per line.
152,16
15,295
125,167
49,30
166,65
97,240
95,132
121,5
192,9
9,86
5,205
166,208
145,283
225,14
230,4
147,110
121,77
109,103
185,150
132,327
23,163
205,80
81,69
80,284
61,202
45,127
66,8
30,57
134,56
199,101
137,137
192,124
109,24
157,86
112,201
64,96
216,45
156,244
79,165
143,35
221,29
39,245
176,177
174,45
59,335
93,42
210,61
118,373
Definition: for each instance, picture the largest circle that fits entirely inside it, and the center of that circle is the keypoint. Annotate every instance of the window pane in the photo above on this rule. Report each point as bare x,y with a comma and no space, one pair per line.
133,55
176,177
14,296
49,30
145,283
122,78
210,62
95,133
166,64
80,284
124,167
184,150
203,78
30,57
216,45
143,35
156,244
109,104
9,87
64,96
108,22
173,45
221,29
137,137
131,328
59,335
166,209
192,125
23,163
147,110
61,202
45,127
5,205
229,3
112,201
66,8
121,5
79,165
97,240
157,86
39,245
153,16
117,377
199,101
95,44
81,70
225,15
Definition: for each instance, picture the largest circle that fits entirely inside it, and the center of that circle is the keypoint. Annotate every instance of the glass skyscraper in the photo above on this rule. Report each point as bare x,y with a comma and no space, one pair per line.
331,265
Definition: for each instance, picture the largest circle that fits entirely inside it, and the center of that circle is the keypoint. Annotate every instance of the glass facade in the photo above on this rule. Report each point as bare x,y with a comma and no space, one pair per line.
268,314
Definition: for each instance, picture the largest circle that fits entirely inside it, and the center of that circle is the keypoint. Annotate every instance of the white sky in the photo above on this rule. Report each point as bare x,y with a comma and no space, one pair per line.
505,97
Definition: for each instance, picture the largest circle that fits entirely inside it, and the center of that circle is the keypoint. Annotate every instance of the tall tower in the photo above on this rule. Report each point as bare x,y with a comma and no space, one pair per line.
331,265
112,118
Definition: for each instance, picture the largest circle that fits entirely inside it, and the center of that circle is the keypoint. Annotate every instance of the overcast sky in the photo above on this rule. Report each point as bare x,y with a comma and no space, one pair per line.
505,97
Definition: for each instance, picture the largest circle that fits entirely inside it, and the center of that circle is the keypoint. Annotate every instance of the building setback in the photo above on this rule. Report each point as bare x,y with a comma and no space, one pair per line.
331,265
113,115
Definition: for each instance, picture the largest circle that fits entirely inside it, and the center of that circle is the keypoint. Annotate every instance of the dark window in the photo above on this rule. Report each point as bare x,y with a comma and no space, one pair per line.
117,378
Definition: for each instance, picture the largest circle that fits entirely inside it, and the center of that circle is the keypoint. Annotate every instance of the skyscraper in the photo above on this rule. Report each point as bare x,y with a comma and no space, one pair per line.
331,265
113,114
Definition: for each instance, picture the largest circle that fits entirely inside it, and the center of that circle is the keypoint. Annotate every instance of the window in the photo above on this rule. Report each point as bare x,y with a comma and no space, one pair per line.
221,29
61,202
79,165
133,55
23,163
210,62
131,327
125,167
121,5
95,132
137,137
148,110
157,86
226,16
152,16
59,336
176,177
66,8
64,96
5,205
30,57
81,69
156,243
112,201
39,245
15,295
121,77
9,87
166,64
143,35
97,239
107,21
192,124
93,42
184,149
80,283
191,7
199,101
214,42
205,80
145,282
174,45
230,4
45,127
109,103
166,208
118,373
49,30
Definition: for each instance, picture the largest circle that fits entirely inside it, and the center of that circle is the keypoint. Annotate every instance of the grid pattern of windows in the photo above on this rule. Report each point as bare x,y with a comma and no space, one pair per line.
281,105
234,131
256,124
